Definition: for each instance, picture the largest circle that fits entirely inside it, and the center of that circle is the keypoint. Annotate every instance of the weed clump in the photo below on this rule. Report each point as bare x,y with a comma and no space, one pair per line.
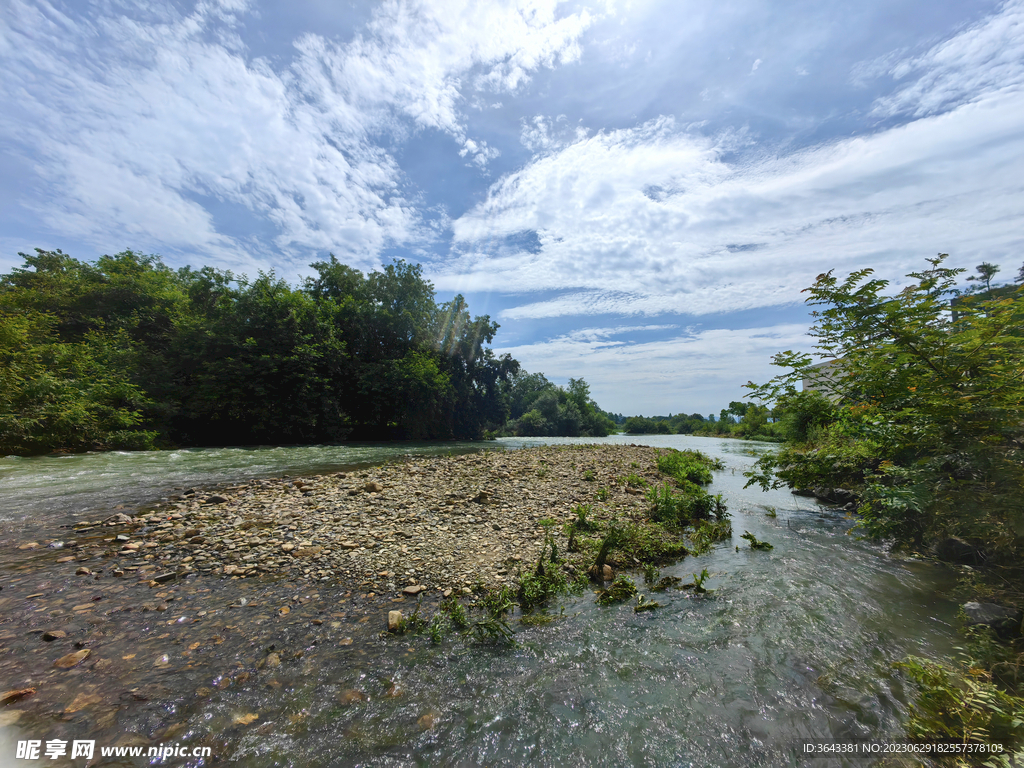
643,604
707,532
754,543
688,466
665,582
621,589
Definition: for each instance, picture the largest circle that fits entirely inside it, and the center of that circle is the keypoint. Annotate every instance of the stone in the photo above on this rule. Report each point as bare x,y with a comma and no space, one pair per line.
83,571
414,589
394,621
351,696
72,659
273,660
82,701
18,693
163,578
1006,621
29,545
954,550
54,634
119,519
372,487
843,497
216,499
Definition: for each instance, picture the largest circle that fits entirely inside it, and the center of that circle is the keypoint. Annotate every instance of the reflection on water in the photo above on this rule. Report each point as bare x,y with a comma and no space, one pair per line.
793,643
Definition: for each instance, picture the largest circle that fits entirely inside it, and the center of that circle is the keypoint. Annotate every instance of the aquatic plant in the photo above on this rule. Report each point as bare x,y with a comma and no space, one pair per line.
651,574
436,628
601,494
456,612
754,543
665,582
698,582
493,629
497,602
707,532
621,589
643,604
610,540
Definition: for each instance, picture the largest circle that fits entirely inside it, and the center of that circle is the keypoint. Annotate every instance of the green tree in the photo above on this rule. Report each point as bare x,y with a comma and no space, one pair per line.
929,409
985,274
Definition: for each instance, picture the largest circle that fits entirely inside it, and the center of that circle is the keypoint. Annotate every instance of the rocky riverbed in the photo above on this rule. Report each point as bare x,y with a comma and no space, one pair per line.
429,524
166,608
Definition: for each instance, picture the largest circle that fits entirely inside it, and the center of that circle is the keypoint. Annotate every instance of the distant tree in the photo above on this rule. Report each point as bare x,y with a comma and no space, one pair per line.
985,274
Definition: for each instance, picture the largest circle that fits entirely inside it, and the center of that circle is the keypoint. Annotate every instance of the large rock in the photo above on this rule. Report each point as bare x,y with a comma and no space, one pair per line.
954,550
1005,621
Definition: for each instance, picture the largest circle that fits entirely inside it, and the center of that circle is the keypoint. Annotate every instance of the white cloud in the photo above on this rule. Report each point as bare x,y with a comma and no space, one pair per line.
688,372
985,57
757,64
661,218
133,123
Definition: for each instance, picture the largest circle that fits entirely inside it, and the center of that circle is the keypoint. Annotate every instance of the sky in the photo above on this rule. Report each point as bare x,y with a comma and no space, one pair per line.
637,191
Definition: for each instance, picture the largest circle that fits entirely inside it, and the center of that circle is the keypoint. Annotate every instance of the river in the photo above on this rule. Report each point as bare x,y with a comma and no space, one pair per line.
792,644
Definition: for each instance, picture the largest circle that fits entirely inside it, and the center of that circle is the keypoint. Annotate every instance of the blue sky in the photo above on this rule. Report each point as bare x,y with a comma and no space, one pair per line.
636,191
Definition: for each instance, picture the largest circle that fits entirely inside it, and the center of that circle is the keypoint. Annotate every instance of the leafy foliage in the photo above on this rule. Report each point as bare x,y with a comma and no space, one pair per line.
963,706
926,408
126,352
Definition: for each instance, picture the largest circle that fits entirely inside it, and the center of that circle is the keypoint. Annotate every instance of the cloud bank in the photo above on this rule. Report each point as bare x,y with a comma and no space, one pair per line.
147,124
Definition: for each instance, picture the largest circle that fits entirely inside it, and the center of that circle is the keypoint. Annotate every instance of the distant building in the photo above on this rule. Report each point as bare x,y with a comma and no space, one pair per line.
822,377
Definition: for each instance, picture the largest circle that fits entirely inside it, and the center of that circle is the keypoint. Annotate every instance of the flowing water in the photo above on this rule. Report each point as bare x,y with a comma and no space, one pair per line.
791,644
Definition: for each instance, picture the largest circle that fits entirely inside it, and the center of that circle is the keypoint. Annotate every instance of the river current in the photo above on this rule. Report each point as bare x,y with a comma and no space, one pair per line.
792,644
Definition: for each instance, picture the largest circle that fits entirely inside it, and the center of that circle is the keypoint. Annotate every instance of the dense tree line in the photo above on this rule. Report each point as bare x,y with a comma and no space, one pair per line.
128,353
743,420
538,407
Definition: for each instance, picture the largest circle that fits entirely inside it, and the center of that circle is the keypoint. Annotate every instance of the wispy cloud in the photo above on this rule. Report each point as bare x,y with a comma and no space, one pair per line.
984,58
135,123
662,217
688,372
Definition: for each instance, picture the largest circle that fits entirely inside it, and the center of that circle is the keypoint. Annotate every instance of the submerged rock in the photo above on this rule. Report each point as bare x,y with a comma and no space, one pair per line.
72,659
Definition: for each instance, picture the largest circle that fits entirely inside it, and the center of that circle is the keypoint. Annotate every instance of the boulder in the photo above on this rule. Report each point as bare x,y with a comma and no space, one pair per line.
1005,621
954,550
